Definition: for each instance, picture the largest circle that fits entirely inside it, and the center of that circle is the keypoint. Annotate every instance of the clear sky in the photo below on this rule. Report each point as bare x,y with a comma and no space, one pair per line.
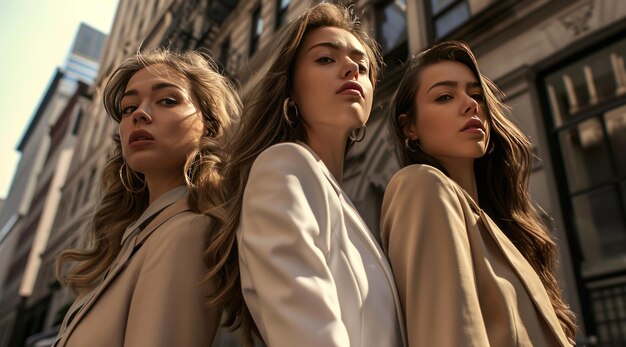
35,38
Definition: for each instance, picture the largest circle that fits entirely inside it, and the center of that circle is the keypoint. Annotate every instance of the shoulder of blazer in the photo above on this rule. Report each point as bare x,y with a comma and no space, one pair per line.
185,226
287,151
421,178
289,158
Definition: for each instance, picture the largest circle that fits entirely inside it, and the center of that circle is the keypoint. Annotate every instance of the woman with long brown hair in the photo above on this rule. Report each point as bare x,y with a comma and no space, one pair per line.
139,279
473,263
311,272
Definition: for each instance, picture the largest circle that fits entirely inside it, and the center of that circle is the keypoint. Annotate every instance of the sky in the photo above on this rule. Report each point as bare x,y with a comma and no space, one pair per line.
35,38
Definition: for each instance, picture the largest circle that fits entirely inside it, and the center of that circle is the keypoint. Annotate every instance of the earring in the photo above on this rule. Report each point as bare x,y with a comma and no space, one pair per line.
128,186
407,145
356,135
288,102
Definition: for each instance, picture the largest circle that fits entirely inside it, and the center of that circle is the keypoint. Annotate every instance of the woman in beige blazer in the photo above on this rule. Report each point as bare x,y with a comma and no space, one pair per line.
311,272
473,264
140,279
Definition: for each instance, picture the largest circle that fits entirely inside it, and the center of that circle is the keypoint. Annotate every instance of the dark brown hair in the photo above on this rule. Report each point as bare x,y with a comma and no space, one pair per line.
502,176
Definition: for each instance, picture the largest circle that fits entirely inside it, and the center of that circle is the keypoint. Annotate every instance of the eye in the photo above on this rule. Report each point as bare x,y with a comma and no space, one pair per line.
128,110
168,101
325,60
478,97
363,68
443,98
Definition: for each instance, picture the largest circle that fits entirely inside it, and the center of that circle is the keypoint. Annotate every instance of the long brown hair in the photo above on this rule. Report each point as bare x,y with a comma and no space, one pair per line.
263,125
502,176
217,100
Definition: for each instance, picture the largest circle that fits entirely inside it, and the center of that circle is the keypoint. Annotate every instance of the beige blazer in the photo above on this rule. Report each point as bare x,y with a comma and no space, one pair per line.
311,272
152,294
461,281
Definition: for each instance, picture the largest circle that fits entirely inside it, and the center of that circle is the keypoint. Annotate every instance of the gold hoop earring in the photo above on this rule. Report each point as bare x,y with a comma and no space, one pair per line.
128,186
414,149
356,135
286,105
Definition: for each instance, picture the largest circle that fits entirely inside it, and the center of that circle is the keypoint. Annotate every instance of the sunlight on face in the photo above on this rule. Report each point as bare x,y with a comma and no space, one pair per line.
332,88
160,123
451,121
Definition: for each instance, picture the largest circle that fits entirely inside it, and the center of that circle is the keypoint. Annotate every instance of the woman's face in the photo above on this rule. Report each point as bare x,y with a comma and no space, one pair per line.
160,124
332,88
451,121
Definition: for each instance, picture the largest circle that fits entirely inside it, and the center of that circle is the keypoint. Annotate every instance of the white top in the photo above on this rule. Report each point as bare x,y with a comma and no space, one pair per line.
311,272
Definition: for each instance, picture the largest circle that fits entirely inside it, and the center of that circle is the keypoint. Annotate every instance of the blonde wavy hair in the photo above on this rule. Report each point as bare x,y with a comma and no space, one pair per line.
502,175
262,125
217,100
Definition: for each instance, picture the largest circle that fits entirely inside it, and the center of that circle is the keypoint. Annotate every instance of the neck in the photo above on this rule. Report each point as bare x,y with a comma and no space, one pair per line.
462,172
161,184
331,149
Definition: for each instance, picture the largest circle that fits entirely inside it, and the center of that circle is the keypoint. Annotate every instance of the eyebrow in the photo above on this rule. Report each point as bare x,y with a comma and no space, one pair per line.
157,86
453,84
338,46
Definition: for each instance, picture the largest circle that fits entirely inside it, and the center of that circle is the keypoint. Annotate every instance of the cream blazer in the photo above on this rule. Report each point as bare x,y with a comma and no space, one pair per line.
311,272
152,294
461,281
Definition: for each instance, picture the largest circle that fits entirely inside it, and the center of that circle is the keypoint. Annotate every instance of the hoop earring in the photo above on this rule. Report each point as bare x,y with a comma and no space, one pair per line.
128,186
286,110
356,135
414,149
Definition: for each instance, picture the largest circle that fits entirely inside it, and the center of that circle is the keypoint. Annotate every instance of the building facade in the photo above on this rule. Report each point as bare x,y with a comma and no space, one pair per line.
33,200
560,63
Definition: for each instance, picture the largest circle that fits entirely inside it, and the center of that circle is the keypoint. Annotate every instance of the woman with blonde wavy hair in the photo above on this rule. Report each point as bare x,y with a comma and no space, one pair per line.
473,263
140,278
311,272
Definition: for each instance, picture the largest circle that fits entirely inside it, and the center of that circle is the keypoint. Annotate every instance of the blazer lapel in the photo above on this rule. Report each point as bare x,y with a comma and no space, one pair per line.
352,213
128,249
528,276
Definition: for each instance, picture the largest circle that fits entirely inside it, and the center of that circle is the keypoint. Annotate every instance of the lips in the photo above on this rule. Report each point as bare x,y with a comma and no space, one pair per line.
473,123
140,135
351,86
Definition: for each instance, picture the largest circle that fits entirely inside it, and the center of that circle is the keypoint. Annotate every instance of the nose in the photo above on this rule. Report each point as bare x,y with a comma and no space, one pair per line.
470,107
351,69
142,114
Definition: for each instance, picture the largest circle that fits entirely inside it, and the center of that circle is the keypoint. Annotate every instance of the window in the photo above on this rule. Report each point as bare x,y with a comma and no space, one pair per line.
224,52
587,123
391,31
79,118
77,197
448,15
281,10
256,30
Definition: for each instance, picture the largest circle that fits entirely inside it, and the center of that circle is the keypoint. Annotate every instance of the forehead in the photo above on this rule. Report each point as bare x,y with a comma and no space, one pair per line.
156,73
338,36
446,71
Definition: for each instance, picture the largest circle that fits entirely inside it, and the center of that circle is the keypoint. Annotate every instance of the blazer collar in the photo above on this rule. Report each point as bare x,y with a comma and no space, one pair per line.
131,245
525,273
355,218
155,207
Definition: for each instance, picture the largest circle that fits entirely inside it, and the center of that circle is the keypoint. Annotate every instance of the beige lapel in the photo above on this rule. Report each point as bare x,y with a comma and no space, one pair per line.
527,275
128,249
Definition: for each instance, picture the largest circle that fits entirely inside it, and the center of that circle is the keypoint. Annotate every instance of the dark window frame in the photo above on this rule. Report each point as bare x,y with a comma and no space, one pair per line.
224,53
255,36
281,13
397,55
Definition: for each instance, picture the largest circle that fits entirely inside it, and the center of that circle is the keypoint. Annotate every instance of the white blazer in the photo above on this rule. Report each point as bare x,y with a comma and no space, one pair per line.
311,272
